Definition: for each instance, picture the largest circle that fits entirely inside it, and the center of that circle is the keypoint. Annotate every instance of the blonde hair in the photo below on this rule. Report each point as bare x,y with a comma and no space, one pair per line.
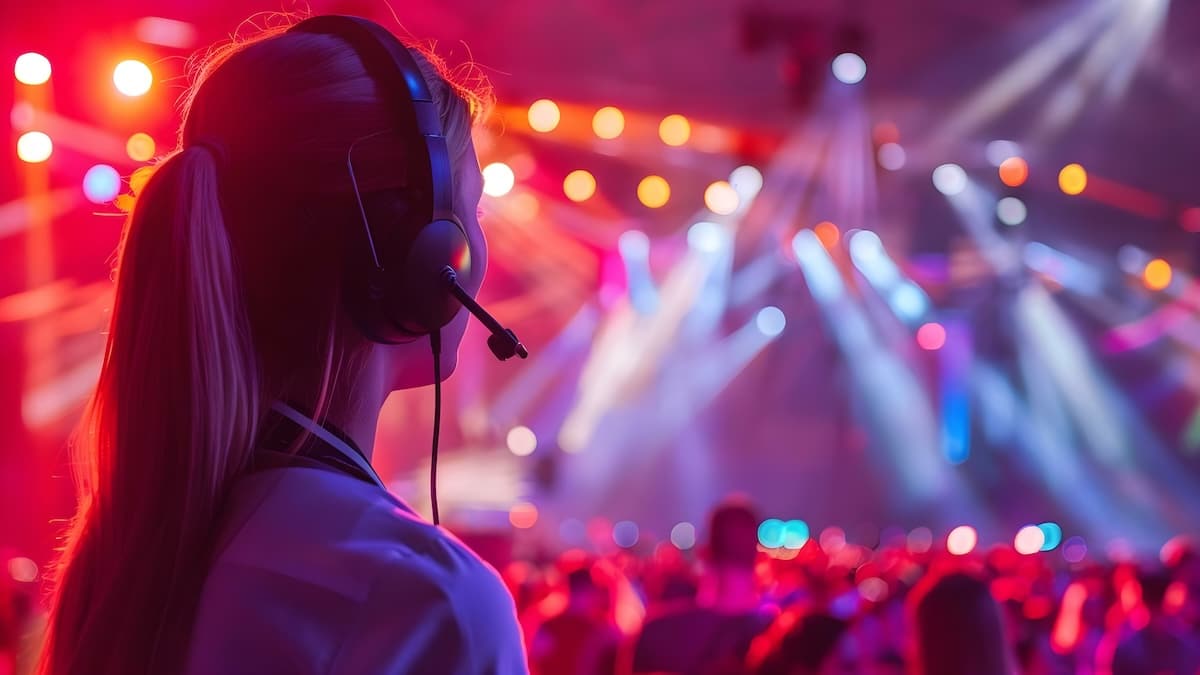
228,295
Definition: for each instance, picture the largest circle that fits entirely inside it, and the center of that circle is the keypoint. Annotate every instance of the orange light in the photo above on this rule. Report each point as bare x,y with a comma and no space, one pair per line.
140,147
675,130
1014,171
579,185
721,198
827,233
885,132
544,115
608,122
1072,179
132,77
1157,274
523,515
654,191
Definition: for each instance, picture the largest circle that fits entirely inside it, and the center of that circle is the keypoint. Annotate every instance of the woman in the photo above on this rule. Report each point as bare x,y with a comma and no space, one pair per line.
219,530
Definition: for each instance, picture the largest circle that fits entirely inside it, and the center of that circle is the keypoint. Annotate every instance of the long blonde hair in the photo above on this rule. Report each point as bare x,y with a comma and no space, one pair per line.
228,295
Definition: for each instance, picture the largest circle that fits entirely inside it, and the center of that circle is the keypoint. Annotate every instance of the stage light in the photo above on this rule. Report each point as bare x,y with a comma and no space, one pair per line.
770,321
608,122
34,147
866,250
795,534
521,441
1011,211
625,534
1074,550
892,156
140,147
32,68
920,540
22,569
908,301
498,179
654,191
1014,171
101,184
849,68
998,151
747,181
770,533
833,539
579,185
950,179
827,233
1029,540
1052,535
132,77
1157,274
1072,179
674,130
1189,219
931,336
721,198
706,236
156,30
683,536
544,115
961,540
523,515
633,245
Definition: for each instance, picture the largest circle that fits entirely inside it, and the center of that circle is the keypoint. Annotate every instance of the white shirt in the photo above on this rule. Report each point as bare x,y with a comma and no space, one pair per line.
318,572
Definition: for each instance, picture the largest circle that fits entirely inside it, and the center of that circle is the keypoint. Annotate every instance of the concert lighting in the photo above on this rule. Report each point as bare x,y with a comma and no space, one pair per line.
931,336
827,233
1157,274
579,185
1189,219
498,179
132,78
721,198
521,441
770,533
747,181
795,534
608,122
920,540
1011,211
706,236
961,540
1072,179
1014,171
544,115
770,321
34,147
625,534
101,184
998,151
1052,534
849,68
523,515
32,68
1029,540
674,130
683,536
654,191
950,179
892,156
140,147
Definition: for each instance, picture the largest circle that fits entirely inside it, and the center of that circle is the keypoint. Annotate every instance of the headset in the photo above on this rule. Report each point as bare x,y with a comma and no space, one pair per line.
410,285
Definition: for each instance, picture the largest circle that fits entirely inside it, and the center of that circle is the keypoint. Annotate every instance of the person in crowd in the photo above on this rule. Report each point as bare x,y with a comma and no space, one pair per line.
1156,639
957,628
582,639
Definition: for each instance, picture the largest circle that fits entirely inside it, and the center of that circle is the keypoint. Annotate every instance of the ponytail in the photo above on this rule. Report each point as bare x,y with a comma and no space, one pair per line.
169,427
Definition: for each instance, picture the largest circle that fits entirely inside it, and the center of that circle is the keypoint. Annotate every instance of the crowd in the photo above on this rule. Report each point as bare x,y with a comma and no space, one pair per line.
736,609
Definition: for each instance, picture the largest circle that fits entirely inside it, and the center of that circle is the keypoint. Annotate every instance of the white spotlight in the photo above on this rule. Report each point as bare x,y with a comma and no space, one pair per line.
849,68
950,179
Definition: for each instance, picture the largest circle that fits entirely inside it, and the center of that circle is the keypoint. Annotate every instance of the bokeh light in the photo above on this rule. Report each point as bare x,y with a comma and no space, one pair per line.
998,151
132,77
1014,171
140,147
1072,179
498,179
770,321
625,534
633,244
747,181
795,534
544,115
34,147
1189,219
873,589
833,539
1052,535
579,185
32,68
931,336
892,156
1157,274
523,206
101,184
706,236
961,540
654,191
683,536
770,533
721,198
920,540
22,569
1029,540
849,68
950,179
523,515
1011,211
827,233
675,130
1074,549
521,441
608,122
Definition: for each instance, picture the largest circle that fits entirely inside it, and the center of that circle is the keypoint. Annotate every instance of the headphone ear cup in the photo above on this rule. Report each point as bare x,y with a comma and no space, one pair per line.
421,301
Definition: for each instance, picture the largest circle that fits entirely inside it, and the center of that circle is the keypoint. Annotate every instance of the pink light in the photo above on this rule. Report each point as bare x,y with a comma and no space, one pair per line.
931,336
1067,629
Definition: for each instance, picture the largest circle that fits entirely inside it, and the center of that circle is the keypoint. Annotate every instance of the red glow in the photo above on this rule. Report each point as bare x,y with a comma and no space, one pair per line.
1189,219
931,336
1067,629
1014,171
